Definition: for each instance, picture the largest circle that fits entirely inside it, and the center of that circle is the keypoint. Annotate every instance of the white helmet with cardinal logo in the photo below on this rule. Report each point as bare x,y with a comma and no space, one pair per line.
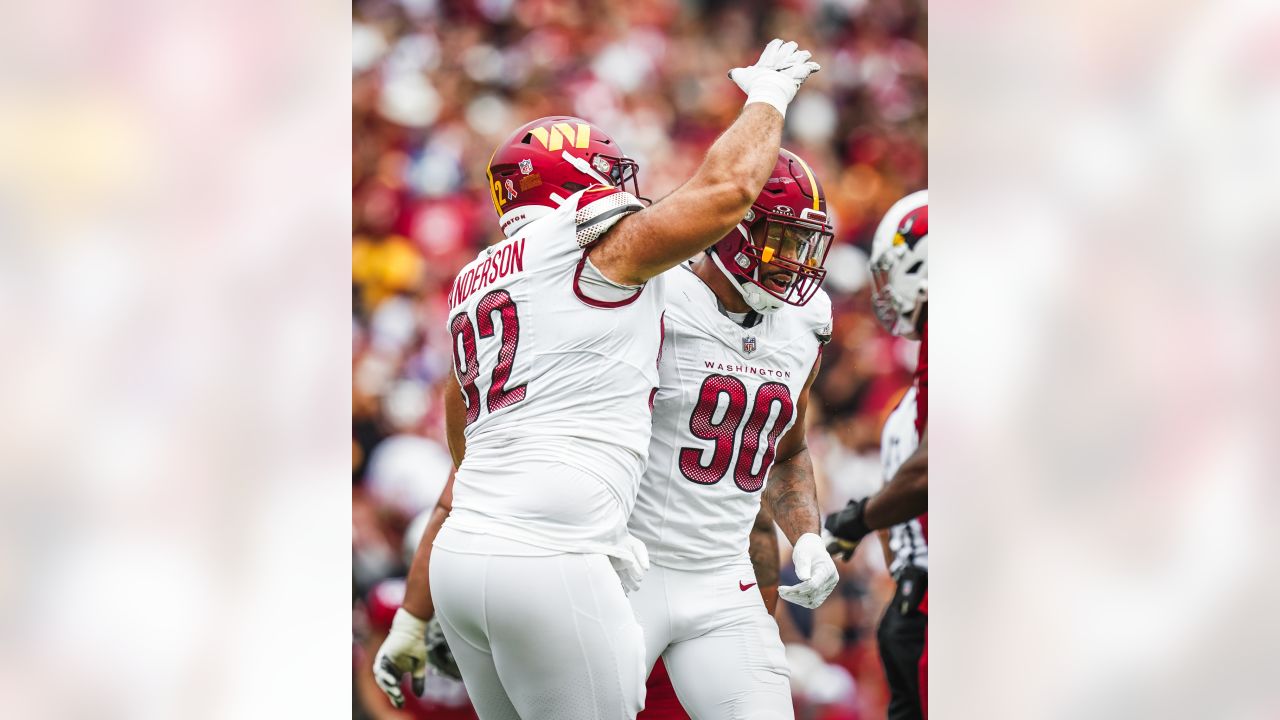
900,265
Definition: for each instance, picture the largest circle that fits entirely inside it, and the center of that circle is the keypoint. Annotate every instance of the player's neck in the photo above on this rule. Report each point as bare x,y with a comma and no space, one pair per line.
722,286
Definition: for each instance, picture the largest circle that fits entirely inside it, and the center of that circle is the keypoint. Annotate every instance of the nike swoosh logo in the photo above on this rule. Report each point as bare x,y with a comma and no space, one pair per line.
746,587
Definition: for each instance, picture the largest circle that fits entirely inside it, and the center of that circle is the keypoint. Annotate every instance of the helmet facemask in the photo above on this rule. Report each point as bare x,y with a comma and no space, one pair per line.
900,265
783,258
621,171
775,255
608,170
897,313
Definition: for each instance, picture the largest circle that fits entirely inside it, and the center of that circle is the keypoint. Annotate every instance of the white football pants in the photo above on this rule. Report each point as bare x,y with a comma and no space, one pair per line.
720,645
538,635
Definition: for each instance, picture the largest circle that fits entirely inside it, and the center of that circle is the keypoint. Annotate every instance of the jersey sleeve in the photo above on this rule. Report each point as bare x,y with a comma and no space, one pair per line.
600,207
822,320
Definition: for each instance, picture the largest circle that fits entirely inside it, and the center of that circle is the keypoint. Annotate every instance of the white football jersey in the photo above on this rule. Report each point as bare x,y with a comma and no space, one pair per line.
726,395
897,442
552,379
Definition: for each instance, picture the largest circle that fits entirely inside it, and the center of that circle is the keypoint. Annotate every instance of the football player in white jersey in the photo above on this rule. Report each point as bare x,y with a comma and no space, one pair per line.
556,332
744,329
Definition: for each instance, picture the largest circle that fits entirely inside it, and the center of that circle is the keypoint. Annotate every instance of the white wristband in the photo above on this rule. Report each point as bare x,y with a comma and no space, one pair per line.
770,94
407,621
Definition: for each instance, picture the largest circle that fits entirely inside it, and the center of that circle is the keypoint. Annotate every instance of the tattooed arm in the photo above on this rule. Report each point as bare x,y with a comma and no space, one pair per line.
764,557
791,495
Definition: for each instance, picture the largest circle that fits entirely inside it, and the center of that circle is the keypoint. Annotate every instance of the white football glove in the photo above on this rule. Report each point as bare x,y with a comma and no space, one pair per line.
776,76
404,651
632,565
816,570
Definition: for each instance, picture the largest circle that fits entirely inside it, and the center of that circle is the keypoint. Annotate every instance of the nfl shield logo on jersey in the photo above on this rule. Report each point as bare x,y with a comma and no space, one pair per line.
748,344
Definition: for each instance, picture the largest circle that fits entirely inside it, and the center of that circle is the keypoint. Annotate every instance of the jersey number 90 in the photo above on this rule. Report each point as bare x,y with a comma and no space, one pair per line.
467,365
724,433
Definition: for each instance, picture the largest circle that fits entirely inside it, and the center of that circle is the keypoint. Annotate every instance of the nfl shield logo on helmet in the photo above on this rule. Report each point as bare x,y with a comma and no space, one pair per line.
526,166
749,344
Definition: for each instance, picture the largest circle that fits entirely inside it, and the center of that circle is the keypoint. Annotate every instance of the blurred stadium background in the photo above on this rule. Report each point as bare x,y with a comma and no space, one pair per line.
437,83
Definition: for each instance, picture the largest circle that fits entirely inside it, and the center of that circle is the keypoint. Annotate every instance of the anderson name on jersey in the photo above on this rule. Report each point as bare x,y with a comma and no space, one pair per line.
727,393
551,379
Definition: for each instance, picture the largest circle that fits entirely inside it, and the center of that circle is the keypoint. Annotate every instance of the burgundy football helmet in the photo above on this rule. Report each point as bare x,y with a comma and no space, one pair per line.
543,162
775,254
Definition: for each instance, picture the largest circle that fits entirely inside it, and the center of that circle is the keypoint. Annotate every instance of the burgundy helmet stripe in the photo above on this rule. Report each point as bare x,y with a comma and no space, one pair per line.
814,190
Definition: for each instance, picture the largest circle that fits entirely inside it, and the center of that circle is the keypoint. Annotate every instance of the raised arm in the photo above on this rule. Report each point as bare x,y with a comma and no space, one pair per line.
704,209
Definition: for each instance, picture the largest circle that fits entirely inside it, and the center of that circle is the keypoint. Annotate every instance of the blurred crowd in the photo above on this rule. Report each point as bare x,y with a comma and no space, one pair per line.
436,84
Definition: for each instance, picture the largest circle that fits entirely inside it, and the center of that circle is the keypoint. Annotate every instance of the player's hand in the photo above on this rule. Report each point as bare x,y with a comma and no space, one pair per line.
632,565
404,651
776,76
836,546
816,570
439,656
847,528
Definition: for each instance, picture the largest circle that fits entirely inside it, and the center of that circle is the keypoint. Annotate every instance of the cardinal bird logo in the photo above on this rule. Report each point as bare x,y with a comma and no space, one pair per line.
913,227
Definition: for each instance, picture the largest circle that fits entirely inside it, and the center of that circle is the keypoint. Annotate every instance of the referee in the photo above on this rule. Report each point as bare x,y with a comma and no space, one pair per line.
902,629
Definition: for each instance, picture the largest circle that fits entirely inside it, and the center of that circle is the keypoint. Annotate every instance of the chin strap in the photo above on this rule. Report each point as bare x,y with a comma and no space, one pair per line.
761,301
757,299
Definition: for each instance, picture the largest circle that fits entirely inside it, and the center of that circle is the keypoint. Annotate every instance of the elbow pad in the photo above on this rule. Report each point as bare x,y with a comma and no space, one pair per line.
600,207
